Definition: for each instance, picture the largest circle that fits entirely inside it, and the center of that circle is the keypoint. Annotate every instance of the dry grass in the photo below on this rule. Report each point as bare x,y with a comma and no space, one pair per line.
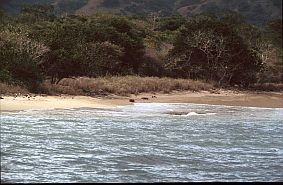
11,89
123,85
268,87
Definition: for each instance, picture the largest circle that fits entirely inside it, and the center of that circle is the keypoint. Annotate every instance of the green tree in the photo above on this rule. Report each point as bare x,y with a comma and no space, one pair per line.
170,23
65,34
62,37
101,59
123,33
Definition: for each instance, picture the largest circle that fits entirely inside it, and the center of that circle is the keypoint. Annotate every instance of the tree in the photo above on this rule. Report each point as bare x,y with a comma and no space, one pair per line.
273,31
101,59
210,49
264,43
19,60
123,33
171,23
70,36
62,37
272,34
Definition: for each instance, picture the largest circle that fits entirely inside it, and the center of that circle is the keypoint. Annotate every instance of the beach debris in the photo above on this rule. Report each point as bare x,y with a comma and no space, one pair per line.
144,98
27,96
214,91
154,97
1,98
131,100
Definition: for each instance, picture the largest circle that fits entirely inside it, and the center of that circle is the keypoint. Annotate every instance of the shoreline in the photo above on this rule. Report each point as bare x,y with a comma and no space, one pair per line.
228,98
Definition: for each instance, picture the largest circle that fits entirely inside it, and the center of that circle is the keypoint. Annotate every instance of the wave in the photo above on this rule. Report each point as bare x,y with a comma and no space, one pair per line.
199,114
174,113
203,104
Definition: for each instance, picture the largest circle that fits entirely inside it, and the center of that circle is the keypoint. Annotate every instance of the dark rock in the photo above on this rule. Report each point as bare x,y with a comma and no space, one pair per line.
144,98
132,100
1,98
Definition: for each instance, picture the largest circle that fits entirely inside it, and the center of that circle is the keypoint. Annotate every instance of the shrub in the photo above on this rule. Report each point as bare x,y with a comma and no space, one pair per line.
124,85
19,59
267,87
11,89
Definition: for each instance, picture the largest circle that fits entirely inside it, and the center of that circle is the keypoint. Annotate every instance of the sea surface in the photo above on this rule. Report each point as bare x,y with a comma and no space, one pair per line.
142,143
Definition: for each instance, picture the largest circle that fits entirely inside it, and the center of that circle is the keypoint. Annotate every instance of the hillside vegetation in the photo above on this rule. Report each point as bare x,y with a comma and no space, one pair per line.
255,11
224,50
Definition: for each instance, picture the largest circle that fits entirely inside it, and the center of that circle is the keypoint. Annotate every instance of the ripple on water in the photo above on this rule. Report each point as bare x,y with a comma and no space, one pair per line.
143,143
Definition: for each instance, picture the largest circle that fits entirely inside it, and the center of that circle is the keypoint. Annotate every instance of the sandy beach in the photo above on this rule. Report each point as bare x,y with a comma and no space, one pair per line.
248,99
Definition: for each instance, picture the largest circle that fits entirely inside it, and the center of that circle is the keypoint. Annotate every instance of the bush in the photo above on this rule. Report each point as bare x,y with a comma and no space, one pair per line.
124,85
100,59
19,59
268,87
11,89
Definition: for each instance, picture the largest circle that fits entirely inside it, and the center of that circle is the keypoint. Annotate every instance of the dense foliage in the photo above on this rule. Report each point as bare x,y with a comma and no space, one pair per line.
38,45
19,59
209,48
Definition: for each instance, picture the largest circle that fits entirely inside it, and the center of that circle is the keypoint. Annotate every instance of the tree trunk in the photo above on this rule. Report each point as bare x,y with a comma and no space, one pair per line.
58,80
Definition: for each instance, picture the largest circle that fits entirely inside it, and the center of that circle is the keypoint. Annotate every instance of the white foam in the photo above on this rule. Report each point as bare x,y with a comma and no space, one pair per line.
199,114
120,106
192,114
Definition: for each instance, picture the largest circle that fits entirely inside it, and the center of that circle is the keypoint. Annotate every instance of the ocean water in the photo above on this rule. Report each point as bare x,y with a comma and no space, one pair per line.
143,143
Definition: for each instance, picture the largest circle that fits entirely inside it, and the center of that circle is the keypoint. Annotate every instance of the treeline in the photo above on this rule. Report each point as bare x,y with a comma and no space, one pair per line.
37,45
